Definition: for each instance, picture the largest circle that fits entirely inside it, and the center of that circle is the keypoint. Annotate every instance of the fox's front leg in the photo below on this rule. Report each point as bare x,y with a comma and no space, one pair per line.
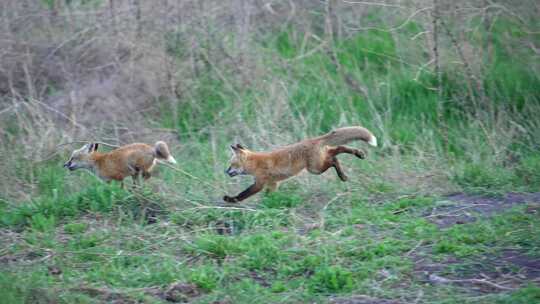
256,187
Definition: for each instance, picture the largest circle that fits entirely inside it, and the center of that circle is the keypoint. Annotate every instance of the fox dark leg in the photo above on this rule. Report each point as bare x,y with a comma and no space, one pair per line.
343,149
331,161
339,171
136,180
255,188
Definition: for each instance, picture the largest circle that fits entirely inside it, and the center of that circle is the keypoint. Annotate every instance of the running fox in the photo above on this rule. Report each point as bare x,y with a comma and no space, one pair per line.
316,155
129,160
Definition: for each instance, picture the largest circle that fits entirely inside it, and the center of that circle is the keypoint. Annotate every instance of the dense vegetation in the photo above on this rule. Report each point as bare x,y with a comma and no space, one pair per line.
450,88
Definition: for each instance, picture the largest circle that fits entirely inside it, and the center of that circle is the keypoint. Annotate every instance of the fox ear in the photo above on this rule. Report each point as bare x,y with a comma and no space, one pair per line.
237,148
89,147
92,147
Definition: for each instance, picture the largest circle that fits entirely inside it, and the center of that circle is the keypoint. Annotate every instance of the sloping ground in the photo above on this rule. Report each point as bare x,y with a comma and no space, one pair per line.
501,270
465,208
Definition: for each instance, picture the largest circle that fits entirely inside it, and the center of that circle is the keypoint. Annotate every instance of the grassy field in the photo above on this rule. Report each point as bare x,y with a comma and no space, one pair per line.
329,240
445,210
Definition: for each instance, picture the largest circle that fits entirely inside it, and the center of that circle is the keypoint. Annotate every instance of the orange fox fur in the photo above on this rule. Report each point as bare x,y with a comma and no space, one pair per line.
129,160
316,155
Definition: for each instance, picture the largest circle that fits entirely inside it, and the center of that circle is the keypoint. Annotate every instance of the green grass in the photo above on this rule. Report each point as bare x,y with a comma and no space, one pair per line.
359,241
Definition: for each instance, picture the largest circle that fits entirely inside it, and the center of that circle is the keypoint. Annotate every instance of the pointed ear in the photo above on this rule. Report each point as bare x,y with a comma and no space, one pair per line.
89,147
237,148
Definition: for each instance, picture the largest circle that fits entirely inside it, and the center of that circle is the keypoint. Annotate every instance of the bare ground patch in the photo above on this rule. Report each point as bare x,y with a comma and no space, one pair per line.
174,293
465,208
361,299
505,271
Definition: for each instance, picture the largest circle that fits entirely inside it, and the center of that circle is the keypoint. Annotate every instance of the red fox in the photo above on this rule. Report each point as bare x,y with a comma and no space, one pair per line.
129,160
316,155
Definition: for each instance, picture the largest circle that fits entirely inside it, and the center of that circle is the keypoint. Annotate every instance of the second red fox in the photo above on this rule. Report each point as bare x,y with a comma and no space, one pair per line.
130,160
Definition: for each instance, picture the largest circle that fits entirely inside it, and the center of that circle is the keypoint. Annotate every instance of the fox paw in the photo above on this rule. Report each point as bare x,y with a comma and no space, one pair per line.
229,199
360,154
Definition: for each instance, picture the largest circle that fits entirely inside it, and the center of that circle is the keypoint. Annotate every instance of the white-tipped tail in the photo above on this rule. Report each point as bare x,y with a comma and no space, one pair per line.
171,159
373,141
161,152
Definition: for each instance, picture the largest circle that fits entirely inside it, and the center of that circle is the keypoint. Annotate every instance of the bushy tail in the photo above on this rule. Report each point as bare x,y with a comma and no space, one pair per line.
344,135
161,150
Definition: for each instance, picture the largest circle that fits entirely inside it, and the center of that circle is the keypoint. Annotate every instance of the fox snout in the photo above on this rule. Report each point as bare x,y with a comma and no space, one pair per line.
232,172
70,166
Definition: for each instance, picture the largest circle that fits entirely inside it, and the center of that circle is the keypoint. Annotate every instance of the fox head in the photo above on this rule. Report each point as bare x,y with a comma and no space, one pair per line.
237,162
81,158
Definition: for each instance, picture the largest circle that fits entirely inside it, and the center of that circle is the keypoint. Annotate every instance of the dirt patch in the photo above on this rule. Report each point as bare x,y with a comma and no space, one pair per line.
465,208
361,300
23,257
509,263
485,274
106,295
176,292
506,270
259,279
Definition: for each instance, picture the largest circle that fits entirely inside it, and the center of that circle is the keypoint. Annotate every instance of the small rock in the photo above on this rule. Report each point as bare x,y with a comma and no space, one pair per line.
438,279
313,226
53,270
181,292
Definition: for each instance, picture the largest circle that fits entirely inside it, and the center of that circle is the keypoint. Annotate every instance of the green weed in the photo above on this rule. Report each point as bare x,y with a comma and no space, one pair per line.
331,279
281,199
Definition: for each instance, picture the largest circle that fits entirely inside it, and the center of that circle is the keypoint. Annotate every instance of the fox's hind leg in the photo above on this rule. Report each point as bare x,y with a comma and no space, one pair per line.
339,171
330,161
136,176
343,149
136,180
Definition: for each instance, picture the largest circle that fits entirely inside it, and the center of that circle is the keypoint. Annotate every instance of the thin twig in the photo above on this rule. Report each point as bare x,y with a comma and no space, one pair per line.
191,175
415,247
374,3
220,207
455,211
439,279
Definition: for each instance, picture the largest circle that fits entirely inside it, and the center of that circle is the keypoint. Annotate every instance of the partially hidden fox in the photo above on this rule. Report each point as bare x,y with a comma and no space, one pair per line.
130,160
316,155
